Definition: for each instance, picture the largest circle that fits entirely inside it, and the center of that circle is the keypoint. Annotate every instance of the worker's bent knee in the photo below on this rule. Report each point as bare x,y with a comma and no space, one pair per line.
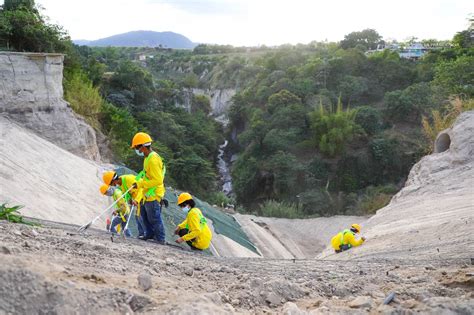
183,232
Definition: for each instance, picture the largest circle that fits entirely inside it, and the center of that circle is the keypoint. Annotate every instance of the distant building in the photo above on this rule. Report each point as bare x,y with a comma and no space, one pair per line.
414,51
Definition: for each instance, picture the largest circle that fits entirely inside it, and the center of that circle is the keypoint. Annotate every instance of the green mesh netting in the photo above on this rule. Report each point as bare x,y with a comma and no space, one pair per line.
223,223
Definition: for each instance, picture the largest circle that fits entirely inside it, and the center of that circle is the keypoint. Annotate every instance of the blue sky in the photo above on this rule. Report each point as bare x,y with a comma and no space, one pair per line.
258,22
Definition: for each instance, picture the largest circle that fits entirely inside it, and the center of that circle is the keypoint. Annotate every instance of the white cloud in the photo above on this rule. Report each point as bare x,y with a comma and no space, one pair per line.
253,22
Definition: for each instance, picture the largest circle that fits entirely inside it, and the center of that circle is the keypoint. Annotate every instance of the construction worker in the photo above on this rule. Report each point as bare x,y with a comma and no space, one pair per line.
151,180
121,208
194,229
133,197
346,239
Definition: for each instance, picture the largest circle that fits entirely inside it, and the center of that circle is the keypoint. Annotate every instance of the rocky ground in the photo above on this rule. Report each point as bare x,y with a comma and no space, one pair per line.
53,270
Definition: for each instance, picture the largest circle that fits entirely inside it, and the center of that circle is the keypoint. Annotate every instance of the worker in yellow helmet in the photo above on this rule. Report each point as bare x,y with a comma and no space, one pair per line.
346,239
194,229
151,180
134,197
121,208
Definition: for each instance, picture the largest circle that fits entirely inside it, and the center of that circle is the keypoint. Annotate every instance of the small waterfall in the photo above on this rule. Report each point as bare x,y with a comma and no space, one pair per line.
224,171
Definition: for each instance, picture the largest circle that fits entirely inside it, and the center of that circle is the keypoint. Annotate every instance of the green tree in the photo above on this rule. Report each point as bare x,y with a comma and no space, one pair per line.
23,28
284,169
245,173
369,119
367,38
464,39
120,126
410,103
352,88
333,129
281,99
17,4
131,77
457,75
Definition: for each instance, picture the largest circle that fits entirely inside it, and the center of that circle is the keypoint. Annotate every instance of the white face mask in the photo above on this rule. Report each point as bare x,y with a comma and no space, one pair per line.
186,209
139,153
110,191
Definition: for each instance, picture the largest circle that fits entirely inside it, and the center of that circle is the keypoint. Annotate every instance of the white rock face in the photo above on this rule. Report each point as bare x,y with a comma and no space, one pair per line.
31,93
50,182
221,100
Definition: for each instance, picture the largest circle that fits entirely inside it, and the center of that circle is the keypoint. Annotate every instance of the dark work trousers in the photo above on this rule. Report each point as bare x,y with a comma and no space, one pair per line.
182,233
153,224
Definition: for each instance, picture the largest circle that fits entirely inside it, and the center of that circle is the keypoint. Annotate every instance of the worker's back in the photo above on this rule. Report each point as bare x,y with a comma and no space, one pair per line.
337,240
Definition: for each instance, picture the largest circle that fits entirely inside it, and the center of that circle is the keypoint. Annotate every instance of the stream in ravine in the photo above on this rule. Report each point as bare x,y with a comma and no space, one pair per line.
224,170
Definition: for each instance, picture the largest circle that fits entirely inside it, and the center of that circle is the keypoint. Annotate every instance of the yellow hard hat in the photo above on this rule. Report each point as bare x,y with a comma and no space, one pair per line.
140,138
184,197
356,226
109,176
103,189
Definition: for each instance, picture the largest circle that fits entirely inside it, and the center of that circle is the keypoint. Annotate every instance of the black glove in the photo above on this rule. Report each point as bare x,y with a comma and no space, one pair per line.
164,202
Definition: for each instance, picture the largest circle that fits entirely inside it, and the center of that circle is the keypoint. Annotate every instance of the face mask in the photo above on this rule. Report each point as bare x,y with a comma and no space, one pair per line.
110,191
139,153
186,209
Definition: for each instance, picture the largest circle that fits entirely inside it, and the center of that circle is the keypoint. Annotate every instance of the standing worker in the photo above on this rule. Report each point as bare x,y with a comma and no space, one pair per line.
134,197
194,229
151,180
122,209
345,240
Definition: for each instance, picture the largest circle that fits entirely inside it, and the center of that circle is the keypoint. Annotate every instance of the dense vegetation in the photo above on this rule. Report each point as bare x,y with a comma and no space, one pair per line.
319,129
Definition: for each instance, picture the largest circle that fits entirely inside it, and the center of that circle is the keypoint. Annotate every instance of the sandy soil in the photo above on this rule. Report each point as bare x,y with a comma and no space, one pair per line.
90,274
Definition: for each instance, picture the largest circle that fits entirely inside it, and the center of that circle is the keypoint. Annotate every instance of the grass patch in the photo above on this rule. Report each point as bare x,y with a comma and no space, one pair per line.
276,209
11,214
375,198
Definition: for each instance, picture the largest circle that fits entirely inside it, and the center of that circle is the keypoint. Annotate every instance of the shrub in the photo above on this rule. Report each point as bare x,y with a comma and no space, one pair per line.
443,120
333,129
220,199
276,209
84,98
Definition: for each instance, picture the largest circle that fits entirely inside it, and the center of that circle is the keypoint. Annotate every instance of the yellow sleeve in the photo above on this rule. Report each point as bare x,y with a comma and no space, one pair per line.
136,193
194,226
182,225
352,240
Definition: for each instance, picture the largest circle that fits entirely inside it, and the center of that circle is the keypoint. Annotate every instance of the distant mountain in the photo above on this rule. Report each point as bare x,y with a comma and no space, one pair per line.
142,39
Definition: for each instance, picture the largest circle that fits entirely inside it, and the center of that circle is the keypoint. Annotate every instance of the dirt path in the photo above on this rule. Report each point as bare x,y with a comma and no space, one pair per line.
54,270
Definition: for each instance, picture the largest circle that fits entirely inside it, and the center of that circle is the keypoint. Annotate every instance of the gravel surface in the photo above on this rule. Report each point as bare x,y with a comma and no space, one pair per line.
53,270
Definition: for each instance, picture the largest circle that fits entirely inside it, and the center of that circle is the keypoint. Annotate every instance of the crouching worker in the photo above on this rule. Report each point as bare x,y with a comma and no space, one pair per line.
194,229
122,209
346,239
